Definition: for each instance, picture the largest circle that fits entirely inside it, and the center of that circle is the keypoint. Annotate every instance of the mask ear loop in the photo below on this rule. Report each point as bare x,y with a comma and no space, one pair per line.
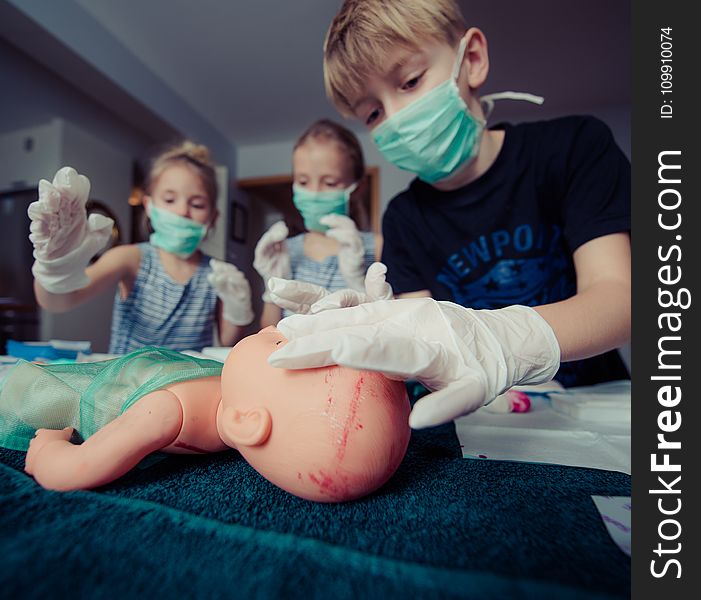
456,72
348,192
458,59
487,101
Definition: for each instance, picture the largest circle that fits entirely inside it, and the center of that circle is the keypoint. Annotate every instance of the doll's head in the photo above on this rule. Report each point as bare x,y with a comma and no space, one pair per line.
329,434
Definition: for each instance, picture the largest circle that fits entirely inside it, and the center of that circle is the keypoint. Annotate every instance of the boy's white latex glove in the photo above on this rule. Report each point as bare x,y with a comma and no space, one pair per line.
303,298
271,258
233,290
64,238
466,357
351,252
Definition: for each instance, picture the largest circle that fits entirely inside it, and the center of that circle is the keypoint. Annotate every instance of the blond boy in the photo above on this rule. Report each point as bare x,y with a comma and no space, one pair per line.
502,219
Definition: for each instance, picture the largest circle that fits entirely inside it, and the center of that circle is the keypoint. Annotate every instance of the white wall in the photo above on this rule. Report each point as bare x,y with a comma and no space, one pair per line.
33,95
86,136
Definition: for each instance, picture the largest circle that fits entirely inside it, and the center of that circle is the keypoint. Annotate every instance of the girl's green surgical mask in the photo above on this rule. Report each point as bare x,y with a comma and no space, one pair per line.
436,135
314,205
175,234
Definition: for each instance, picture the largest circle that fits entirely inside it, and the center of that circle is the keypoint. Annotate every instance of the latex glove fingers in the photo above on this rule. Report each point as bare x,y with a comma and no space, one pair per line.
376,288
351,252
343,229
344,298
99,232
295,296
58,219
234,291
72,184
270,243
225,277
271,258
457,399
296,326
348,347
360,347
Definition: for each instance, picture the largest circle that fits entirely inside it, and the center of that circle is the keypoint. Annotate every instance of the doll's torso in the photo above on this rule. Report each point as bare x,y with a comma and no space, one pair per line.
199,399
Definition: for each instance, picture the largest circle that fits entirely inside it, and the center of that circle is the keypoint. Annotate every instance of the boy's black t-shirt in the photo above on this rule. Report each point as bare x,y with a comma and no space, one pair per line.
508,237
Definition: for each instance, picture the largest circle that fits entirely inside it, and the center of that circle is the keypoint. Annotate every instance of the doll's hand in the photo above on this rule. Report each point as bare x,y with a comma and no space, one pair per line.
351,253
271,258
467,357
233,290
41,438
303,298
64,238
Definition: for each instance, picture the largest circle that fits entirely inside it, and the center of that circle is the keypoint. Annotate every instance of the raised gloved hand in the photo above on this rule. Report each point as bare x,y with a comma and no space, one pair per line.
302,297
468,357
233,290
271,258
351,253
64,238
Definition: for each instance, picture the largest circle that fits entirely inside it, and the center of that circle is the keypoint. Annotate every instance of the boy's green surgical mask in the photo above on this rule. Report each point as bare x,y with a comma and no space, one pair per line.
175,234
436,135
314,205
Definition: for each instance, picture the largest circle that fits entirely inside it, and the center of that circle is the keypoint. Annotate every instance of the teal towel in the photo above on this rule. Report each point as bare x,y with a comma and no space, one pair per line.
210,526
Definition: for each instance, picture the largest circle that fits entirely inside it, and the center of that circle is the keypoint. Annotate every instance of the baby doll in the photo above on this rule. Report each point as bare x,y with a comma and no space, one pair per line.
329,434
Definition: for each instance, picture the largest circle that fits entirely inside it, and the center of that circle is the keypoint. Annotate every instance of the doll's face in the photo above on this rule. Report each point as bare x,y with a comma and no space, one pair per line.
328,434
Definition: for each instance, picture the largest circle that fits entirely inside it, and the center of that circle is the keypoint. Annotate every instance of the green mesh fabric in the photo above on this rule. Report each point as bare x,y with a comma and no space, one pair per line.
87,396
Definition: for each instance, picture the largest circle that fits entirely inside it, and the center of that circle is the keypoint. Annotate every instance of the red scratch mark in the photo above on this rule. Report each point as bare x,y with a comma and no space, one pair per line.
350,420
189,447
482,456
327,485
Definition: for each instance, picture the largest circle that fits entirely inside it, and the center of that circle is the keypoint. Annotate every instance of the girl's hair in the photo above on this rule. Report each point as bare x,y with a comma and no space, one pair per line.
194,156
325,129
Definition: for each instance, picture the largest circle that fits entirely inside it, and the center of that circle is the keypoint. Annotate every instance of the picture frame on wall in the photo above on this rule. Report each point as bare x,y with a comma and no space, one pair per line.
238,224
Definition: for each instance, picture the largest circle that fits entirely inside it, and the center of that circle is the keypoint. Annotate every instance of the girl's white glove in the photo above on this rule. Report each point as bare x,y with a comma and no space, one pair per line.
301,297
467,357
271,258
233,290
64,238
351,252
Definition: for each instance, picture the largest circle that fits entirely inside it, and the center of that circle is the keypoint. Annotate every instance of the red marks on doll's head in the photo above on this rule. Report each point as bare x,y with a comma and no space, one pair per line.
351,418
328,486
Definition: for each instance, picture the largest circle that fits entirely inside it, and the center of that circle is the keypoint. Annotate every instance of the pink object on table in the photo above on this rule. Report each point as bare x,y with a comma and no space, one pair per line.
520,402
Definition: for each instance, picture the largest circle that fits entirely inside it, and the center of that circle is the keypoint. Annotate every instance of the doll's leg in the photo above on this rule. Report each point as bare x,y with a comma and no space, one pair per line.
149,425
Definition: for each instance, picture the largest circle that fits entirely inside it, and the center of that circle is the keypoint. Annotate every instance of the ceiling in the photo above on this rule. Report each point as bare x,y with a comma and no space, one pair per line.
252,68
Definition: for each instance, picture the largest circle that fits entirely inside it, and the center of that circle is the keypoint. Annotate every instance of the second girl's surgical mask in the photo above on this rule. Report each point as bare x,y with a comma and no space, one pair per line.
436,135
314,205
175,234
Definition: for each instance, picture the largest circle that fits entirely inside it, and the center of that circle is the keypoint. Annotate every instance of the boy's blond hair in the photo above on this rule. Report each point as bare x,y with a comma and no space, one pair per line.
364,32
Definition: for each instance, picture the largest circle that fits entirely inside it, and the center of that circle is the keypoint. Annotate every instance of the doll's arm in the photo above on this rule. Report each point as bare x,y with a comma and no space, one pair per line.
149,425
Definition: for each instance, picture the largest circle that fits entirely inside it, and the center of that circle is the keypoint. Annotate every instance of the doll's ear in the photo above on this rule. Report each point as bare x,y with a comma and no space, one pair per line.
250,428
